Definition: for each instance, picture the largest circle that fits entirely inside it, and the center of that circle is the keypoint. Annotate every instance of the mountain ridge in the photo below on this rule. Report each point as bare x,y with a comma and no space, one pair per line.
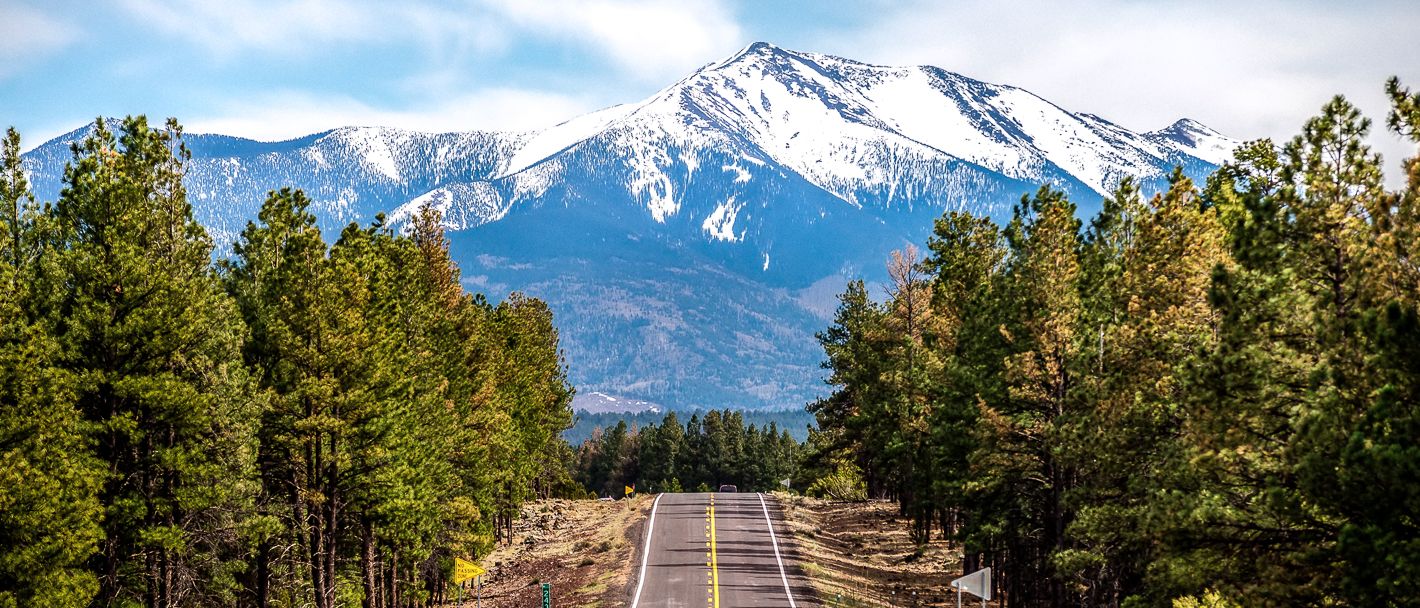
688,242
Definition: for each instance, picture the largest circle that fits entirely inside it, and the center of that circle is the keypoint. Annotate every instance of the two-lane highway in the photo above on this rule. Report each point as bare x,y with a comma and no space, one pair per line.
712,551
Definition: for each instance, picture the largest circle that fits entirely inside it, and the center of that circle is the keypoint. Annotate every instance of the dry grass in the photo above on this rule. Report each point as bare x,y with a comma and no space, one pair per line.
860,554
583,547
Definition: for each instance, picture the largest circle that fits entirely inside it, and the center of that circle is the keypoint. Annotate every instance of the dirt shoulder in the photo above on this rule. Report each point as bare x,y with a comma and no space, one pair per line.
583,547
860,554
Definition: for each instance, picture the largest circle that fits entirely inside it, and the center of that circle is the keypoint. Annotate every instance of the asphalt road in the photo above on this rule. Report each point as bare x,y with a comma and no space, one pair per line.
716,550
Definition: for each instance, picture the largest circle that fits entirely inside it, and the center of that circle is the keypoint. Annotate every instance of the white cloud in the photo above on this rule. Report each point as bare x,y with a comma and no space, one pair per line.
28,35
291,27
228,26
650,40
1247,69
289,114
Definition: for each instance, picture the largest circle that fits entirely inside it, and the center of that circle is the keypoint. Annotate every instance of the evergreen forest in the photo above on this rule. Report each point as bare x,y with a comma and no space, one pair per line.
797,421
1206,397
710,450
299,424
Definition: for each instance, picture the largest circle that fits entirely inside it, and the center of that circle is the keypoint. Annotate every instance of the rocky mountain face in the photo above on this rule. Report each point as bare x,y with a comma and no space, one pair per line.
693,242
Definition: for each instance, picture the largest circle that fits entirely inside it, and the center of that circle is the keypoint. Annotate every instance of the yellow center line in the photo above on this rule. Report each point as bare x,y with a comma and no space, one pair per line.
714,562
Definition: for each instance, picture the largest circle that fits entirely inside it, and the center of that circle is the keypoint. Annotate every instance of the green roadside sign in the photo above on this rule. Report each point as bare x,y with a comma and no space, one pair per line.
547,595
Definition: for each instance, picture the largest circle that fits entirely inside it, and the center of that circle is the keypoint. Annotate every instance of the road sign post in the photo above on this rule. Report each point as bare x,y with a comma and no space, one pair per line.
547,595
465,570
977,583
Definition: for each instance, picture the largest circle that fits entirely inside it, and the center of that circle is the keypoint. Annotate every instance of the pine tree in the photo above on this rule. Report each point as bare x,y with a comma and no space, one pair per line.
49,510
966,256
851,415
278,279
661,447
1378,474
1269,408
154,343
1151,309
1041,374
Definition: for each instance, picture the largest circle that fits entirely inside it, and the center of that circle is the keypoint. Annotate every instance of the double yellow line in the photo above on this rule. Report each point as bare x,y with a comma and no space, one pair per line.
714,562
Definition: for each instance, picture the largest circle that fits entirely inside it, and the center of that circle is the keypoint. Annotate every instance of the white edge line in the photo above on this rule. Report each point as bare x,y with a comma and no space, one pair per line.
775,542
646,551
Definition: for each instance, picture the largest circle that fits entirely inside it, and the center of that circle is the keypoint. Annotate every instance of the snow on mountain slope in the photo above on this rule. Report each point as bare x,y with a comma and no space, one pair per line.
876,136
848,126
748,153
480,204
372,146
350,174
556,139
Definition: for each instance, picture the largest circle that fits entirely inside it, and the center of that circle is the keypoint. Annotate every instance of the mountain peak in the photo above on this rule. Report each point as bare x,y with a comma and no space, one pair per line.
1198,139
759,46
1189,125
754,51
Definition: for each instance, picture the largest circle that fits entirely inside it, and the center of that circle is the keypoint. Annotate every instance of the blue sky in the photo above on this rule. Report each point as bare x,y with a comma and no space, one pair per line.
273,69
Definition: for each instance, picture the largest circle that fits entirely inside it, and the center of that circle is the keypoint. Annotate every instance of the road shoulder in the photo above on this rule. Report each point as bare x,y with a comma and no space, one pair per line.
584,548
860,554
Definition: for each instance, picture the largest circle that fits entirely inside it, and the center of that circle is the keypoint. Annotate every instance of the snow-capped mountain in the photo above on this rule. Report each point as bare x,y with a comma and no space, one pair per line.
692,242
864,133
350,173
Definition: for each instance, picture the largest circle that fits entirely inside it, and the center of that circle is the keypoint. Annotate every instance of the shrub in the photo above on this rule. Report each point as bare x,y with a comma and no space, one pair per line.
844,483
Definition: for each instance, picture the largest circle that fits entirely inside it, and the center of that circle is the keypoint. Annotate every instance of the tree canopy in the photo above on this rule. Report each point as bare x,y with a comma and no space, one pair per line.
1206,396
301,423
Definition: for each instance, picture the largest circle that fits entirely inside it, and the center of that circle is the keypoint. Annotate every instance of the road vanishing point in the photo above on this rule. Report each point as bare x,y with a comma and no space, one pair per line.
714,550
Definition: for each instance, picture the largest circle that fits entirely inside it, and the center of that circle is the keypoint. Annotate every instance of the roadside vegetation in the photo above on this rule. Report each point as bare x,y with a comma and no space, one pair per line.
586,549
1206,397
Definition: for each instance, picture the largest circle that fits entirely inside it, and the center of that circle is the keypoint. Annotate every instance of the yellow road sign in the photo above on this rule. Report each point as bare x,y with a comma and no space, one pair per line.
630,489
464,570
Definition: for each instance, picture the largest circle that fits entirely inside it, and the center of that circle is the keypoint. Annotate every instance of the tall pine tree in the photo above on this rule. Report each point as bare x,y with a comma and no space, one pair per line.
49,508
154,343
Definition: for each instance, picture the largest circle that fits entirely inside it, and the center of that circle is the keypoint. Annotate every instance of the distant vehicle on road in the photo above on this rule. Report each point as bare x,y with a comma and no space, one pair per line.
729,488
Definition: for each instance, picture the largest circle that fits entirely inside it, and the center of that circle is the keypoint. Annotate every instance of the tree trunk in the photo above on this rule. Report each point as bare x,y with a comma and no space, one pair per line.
150,567
394,579
301,529
263,573
332,514
150,559
315,524
389,581
317,551
367,564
